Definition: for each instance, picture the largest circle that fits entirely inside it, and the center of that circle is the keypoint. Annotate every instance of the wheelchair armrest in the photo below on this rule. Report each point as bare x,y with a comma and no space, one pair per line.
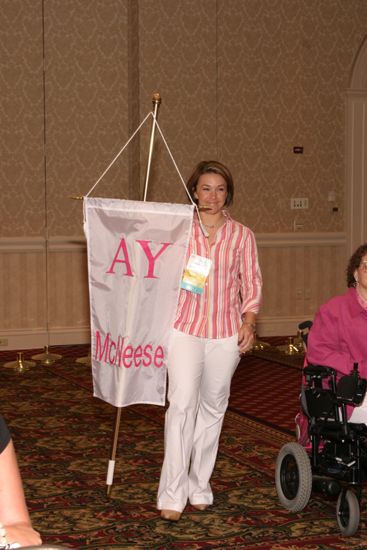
318,371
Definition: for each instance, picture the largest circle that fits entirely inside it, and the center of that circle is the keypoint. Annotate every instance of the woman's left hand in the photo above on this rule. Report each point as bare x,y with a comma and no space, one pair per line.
246,338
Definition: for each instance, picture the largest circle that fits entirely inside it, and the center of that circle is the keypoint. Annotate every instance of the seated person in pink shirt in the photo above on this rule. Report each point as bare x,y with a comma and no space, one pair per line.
338,337
212,328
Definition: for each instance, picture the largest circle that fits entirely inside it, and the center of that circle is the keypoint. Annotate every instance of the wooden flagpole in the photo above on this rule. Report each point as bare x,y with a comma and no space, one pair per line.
156,99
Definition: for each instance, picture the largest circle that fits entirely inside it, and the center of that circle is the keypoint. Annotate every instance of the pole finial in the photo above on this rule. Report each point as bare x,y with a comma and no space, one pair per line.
156,98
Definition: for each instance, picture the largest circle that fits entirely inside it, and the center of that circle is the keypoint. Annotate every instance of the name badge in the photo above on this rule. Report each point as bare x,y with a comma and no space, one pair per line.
196,273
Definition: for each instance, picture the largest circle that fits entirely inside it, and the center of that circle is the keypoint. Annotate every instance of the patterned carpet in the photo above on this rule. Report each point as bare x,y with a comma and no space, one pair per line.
266,391
63,437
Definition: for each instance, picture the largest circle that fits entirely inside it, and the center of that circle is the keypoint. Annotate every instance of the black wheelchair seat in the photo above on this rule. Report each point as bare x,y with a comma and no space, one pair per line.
325,395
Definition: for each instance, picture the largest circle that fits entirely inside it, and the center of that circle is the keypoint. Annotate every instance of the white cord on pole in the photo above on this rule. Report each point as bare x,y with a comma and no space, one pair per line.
171,156
118,154
182,180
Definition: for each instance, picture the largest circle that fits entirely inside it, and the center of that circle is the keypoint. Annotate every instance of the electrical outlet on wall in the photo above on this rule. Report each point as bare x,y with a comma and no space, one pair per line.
299,204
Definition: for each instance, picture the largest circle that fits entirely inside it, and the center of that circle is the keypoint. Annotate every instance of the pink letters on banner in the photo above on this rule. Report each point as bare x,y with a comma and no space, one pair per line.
119,354
124,259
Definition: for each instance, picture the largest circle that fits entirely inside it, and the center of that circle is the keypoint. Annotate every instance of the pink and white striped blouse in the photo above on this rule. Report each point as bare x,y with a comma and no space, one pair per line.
233,286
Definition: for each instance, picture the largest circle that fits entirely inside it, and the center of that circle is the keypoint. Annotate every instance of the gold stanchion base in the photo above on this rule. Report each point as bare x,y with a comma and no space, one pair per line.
294,347
19,365
46,357
289,349
260,346
85,360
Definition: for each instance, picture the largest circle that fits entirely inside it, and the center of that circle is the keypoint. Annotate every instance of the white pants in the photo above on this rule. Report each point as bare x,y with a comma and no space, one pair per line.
199,374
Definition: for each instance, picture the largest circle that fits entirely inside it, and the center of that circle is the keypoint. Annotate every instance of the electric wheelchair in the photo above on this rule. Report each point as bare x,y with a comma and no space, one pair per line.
331,453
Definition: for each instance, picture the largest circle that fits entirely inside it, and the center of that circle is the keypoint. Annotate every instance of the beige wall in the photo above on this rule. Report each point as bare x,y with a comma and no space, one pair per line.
243,81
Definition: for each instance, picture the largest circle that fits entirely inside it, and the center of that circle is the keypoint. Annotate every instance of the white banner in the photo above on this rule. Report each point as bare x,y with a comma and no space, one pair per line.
136,254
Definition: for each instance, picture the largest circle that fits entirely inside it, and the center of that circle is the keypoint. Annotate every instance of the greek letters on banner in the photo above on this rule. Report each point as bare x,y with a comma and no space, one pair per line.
136,255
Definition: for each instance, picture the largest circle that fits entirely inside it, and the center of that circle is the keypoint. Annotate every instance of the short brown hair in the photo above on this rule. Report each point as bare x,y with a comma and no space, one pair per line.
354,263
215,167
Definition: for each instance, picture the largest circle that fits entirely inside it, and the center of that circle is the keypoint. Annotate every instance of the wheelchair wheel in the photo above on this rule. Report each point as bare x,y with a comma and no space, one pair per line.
293,477
347,513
